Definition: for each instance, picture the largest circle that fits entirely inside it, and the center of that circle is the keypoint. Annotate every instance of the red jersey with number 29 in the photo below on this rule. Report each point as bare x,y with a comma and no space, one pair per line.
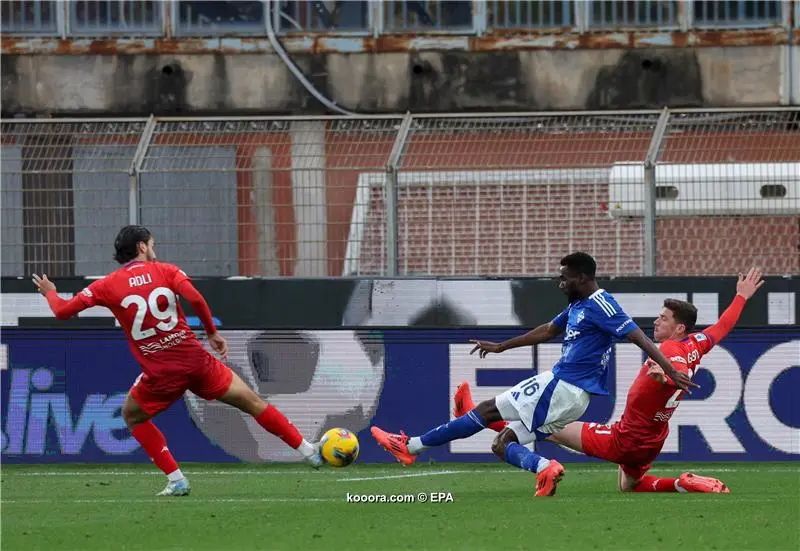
143,296
651,404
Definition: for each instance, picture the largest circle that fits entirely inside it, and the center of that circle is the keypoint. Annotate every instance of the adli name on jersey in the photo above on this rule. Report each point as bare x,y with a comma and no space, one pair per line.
139,280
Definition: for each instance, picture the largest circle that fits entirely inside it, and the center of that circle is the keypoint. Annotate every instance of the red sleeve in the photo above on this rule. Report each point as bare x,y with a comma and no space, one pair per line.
65,309
199,304
93,294
726,322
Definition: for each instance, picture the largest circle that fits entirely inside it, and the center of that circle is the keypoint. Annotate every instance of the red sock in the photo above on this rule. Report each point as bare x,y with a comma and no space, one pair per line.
275,422
650,483
154,443
498,426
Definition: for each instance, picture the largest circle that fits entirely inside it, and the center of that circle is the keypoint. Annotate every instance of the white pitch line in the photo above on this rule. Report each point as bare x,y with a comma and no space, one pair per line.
173,500
723,497
333,475
323,474
154,472
410,475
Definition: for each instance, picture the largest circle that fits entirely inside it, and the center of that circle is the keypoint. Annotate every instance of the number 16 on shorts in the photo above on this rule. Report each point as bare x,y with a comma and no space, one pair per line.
528,388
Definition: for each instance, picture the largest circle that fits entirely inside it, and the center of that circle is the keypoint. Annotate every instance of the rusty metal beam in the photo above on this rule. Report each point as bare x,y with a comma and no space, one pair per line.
399,43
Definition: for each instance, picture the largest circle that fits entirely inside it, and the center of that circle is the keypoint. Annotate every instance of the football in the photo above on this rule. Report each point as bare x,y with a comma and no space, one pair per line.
339,447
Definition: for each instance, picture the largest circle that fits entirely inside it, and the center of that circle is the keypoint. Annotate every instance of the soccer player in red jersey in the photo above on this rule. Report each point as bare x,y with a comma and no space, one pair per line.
636,439
143,295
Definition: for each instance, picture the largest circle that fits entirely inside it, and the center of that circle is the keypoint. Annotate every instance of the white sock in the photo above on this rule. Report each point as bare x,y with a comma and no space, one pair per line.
175,476
542,465
415,445
306,448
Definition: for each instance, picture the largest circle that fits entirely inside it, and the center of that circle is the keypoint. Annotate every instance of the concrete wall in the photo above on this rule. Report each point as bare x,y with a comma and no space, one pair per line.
428,81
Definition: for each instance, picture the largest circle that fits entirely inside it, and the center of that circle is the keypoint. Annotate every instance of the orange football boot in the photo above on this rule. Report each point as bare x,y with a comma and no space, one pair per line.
702,484
463,400
395,444
548,479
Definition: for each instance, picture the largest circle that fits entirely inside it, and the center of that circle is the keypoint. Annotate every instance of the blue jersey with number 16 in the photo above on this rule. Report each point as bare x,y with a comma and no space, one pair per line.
591,326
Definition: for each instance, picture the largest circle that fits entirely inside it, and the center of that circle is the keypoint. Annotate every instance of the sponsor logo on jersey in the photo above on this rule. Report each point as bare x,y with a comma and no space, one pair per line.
572,334
679,359
663,416
164,343
625,323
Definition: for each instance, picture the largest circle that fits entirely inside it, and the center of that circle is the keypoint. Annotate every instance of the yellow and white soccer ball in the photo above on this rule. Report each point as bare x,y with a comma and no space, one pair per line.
339,447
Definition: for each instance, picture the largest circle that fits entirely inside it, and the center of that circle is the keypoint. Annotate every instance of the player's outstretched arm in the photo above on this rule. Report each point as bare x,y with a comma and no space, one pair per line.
681,380
541,334
61,308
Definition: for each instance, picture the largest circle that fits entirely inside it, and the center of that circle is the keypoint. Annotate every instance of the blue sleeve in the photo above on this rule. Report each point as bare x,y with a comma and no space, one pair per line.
561,319
609,317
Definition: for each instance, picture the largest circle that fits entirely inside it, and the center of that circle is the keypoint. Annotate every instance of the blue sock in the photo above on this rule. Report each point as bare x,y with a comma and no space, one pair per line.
520,456
463,427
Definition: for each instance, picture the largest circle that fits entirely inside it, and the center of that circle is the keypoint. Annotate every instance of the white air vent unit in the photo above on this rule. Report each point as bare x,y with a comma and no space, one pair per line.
713,189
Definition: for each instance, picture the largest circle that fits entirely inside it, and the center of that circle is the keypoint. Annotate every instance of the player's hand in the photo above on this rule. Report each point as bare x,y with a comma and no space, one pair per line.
749,284
484,347
655,371
219,344
43,284
682,381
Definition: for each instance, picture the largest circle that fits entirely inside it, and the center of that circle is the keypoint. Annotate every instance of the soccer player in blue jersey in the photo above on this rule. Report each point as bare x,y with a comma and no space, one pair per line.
544,404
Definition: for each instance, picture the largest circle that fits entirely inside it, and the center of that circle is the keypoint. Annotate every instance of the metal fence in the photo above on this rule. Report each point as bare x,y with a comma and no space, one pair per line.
683,192
177,18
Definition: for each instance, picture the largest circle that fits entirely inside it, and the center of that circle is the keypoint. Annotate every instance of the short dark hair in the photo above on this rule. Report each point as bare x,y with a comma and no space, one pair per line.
684,312
580,263
125,245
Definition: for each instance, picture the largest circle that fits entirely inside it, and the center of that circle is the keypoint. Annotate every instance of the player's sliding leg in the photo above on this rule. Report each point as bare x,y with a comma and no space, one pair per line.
686,483
270,418
634,479
154,444
406,449
650,483
464,403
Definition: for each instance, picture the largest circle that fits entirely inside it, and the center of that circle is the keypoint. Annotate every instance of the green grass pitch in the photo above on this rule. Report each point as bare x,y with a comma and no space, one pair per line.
272,507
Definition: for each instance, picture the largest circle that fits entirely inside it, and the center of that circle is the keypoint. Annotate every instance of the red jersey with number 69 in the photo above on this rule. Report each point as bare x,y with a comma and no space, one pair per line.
143,296
651,404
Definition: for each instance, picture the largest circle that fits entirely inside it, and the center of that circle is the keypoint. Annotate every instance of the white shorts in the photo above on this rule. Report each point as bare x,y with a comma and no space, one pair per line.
540,406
